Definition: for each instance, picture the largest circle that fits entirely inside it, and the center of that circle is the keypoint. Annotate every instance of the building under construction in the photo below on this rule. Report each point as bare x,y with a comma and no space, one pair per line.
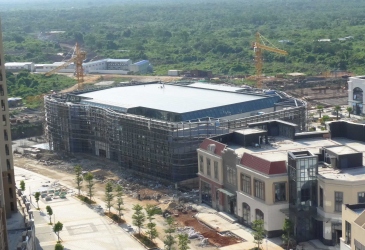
155,129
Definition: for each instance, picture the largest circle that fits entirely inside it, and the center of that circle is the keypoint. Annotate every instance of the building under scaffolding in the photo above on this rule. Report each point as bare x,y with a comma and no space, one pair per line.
155,129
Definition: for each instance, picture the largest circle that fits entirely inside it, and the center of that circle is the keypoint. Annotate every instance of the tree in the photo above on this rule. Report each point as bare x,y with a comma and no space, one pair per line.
58,246
119,204
169,240
325,119
337,109
22,185
258,232
78,179
57,229
288,233
183,241
89,177
109,195
320,110
138,217
349,110
49,212
151,226
36,196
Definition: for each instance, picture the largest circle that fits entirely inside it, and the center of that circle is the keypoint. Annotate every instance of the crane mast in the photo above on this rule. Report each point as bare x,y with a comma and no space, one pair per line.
259,47
78,58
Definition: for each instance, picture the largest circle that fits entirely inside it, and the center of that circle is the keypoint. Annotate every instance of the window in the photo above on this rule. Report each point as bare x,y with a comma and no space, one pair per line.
347,233
201,164
246,184
231,176
259,215
280,191
216,170
361,197
246,213
321,197
208,167
338,201
259,189
6,149
2,105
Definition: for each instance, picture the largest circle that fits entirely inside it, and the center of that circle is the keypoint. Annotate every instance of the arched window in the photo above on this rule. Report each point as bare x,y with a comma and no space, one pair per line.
358,94
259,215
246,213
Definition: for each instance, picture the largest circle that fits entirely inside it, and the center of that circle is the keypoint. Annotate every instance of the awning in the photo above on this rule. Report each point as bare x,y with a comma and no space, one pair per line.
319,217
225,192
285,211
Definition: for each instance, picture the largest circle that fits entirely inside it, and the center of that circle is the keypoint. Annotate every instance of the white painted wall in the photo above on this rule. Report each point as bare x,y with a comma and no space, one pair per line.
354,82
273,218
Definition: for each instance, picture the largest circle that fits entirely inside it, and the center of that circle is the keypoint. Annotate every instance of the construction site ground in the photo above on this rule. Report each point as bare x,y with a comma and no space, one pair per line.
60,167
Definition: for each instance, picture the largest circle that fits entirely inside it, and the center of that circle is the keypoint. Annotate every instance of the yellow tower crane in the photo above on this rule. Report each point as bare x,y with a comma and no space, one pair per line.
78,58
258,46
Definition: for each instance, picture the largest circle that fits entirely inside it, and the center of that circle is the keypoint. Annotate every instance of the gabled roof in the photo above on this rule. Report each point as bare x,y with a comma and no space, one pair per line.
262,165
219,147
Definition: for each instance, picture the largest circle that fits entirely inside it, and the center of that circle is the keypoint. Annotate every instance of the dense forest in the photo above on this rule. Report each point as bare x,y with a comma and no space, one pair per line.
185,34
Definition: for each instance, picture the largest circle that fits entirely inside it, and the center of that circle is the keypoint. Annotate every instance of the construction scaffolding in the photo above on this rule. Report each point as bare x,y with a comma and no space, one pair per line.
161,149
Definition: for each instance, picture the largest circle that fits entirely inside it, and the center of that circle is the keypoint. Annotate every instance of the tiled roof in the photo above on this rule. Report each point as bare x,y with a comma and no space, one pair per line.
262,165
219,147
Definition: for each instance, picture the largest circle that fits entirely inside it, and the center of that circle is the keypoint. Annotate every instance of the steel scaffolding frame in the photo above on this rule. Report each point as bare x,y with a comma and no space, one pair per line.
161,149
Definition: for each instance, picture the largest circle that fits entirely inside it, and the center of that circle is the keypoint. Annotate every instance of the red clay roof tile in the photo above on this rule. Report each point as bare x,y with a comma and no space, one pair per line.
219,147
263,165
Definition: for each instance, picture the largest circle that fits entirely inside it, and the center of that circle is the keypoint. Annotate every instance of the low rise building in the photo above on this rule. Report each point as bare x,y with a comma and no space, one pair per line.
356,94
141,67
18,66
353,227
270,172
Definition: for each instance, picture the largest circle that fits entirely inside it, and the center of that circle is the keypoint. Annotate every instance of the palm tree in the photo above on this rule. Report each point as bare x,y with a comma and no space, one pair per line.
320,110
349,110
337,109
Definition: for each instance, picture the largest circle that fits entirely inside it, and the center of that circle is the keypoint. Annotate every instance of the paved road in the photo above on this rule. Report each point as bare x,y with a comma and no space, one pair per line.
83,228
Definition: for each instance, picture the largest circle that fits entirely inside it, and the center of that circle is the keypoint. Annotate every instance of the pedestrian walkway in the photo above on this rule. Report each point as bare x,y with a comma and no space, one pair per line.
83,226
46,238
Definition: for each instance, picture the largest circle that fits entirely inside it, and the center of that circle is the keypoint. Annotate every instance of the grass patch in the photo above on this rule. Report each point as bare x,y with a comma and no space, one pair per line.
85,199
115,218
145,241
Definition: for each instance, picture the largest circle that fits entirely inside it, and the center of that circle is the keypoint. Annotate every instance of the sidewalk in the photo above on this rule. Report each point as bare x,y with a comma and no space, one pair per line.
46,238
84,228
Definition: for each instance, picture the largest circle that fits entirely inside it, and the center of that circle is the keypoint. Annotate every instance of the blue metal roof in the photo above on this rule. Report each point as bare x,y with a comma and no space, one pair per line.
178,103
141,62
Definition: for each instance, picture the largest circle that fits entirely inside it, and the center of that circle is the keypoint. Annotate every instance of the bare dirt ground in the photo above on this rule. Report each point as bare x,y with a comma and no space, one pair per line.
187,219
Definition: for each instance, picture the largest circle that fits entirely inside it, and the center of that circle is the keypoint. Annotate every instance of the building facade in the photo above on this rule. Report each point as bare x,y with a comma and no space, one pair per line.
273,174
356,94
155,128
353,227
7,182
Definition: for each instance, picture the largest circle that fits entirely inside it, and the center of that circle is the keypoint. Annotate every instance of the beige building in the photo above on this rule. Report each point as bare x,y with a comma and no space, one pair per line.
262,191
269,172
353,227
7,182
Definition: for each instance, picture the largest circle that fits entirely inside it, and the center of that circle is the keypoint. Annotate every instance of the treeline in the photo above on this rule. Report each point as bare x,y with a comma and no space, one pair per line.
214,35
31,86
